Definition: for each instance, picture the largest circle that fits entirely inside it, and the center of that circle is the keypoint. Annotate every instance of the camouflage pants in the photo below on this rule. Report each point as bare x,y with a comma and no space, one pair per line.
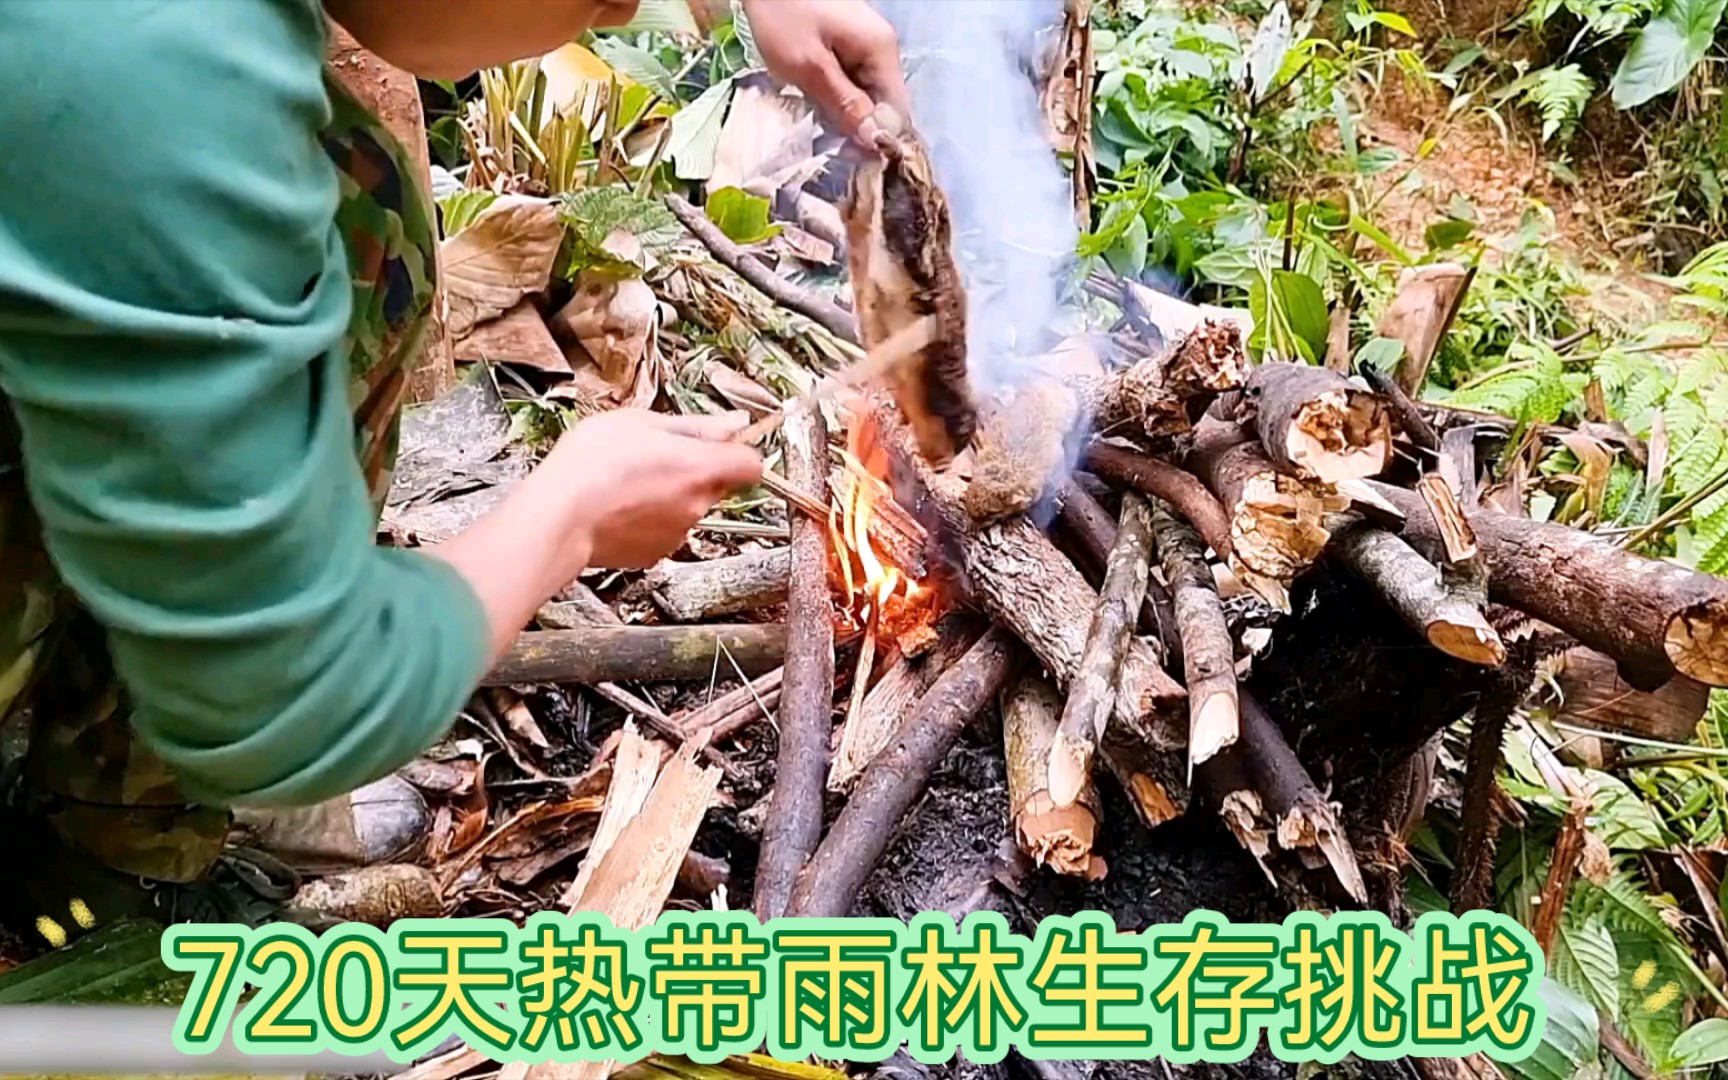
84,768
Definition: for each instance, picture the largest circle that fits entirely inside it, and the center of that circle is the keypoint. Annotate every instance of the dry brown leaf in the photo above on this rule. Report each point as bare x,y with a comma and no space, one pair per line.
765,133
612,321
505,254
518,337
520,719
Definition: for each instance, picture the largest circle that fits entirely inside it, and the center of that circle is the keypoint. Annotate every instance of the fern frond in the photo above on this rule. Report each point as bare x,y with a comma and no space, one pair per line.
1559,94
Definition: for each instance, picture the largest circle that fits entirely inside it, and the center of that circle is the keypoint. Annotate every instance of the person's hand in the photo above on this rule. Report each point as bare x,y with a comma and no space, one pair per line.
839,52
638,481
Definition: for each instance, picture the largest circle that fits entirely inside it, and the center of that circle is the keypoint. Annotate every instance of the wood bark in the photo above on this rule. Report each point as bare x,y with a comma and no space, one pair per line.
1277,522
1266,797
1654,618
1562,871
870,728
1092,691
1446,619
635,653
1208,653
794,824
1316,425
1017,576
898,778
689,592
393,96
1156,479
1091,532
1060,837
778,289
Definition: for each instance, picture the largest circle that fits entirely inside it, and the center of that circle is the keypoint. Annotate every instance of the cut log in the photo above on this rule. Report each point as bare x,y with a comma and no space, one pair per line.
1277,521
1418,316
898,778
1091,532
1092,691
1054,836
1017,576
870,728
1156,479
1593,695
1316,425
1655,618
794,824
1265,796
1447,620
636,653
1208,654
688,592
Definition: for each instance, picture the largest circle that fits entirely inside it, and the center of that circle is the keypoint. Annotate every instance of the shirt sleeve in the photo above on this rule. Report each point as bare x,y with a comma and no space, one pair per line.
173,294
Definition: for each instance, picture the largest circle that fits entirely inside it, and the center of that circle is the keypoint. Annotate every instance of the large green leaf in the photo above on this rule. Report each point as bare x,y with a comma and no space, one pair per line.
741,216
637,65
658,16
1704,1043
1304,307
1587,962
1667,49
1569,1040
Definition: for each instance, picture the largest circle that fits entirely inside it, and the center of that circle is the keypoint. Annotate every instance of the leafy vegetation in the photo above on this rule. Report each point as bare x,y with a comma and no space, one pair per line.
1235,163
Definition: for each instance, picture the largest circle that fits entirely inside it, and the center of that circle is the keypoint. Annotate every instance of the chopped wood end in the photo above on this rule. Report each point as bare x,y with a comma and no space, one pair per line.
1340,435
1059,837
1216,724
1151,800
1470,640
1311,827
1277,528
1697,641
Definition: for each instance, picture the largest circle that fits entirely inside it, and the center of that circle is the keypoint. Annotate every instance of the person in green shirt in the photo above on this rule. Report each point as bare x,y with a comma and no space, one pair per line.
214,273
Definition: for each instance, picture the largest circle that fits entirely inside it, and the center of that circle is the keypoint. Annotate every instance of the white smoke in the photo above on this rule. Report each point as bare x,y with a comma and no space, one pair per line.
970,70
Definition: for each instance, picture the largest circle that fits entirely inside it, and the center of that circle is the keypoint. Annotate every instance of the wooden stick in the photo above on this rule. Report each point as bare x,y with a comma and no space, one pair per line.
1209,659
689,592
1018,577
635,766
1261,775
788,295
1058,837
1654,618
710,715
1446,619
794,823
898,778
1568,850
870,727
1156,479
1091,530
641,653
1092,691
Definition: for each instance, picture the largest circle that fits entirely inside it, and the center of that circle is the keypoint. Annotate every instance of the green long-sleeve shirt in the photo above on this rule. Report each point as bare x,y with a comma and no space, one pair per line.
173,295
